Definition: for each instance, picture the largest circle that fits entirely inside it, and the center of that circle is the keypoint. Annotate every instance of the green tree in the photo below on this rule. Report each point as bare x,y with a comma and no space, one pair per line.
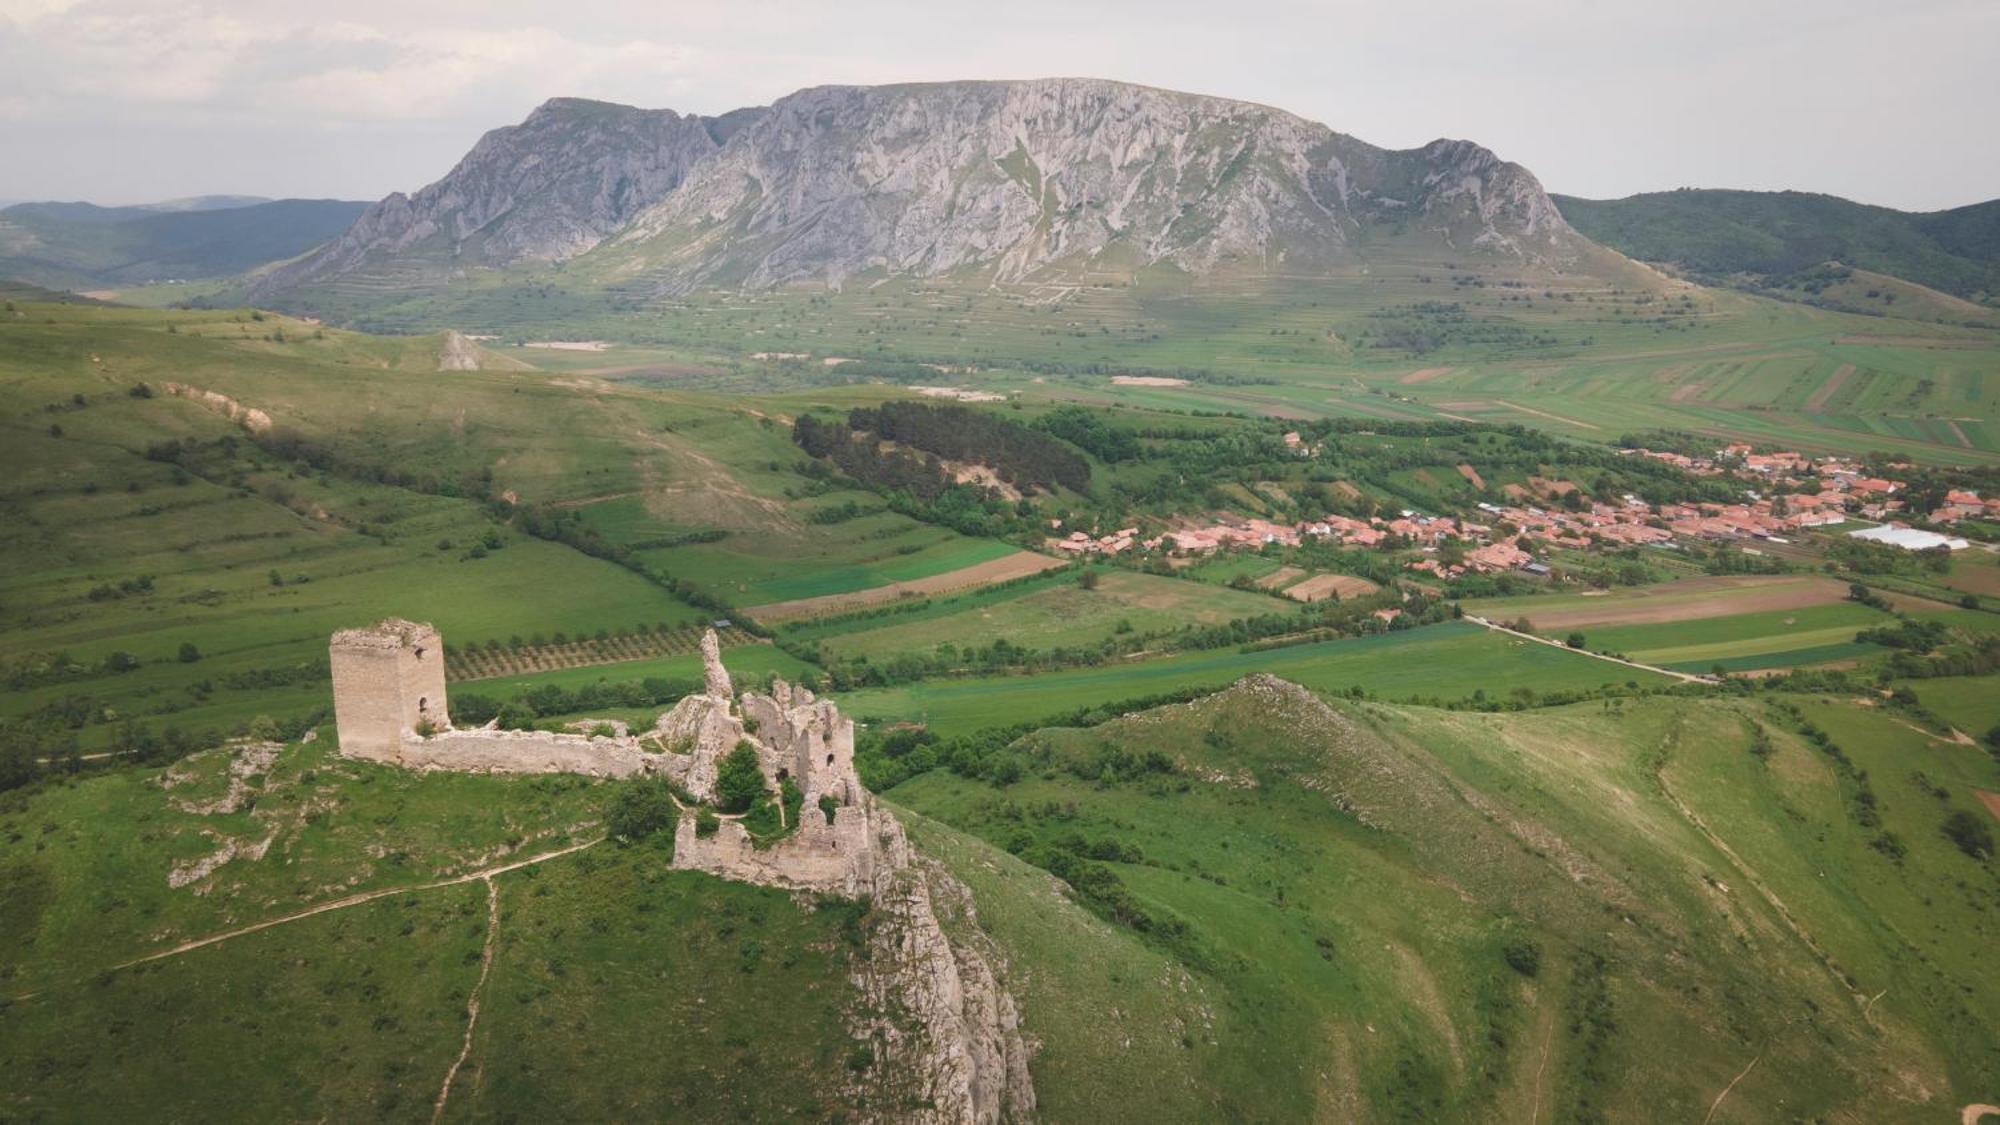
189,654
1970,832
640,809
739,780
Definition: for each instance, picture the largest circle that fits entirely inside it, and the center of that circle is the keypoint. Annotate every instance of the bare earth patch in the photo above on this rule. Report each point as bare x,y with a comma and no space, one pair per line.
1020,564
959,393
1695,598
1283,576
1472,475
1423,376
1320,586
1147,381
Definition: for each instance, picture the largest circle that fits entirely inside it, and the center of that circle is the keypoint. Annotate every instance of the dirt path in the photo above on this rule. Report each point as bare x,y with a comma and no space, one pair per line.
472,1001
1546,414
1816,403
1952,425
357,900
1717,1103
1971,1114
1684,677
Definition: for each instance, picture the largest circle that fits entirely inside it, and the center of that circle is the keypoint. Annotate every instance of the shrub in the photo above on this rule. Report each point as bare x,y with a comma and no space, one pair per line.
739,780
1575,640
706,822
1523,956
189,654
640,809
1970,832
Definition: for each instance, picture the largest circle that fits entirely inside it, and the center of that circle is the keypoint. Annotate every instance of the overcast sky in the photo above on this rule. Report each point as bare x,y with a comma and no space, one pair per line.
1885,101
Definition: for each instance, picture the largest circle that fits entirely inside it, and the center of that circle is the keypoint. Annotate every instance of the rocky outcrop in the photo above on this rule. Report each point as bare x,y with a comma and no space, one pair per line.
1018,177
1008,180
548,189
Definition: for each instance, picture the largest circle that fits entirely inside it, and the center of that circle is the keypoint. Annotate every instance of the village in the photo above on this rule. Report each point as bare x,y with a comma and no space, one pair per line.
1786,493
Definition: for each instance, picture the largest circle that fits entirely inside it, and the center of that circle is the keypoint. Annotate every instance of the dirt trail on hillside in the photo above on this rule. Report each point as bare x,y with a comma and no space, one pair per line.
472,1001
1546,414
1971,1114
357,900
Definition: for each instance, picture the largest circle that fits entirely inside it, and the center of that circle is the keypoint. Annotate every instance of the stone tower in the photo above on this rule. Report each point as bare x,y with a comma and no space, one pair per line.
387,678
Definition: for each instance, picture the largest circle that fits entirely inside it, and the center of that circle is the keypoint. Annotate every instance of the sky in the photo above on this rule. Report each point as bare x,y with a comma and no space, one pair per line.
125,101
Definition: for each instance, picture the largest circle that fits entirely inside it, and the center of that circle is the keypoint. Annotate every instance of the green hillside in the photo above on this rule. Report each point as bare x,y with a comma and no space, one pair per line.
77,246
1256,906
1718,233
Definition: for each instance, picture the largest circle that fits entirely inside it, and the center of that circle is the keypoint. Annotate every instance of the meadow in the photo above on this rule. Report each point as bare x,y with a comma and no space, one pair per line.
1041,613
1454,661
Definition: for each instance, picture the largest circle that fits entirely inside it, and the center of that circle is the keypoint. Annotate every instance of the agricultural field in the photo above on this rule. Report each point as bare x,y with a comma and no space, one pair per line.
1455,661
1747,641
1682,600
1055,612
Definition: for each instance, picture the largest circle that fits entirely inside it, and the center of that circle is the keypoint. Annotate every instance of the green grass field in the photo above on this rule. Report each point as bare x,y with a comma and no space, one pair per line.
1780,638
1046,613
1451,661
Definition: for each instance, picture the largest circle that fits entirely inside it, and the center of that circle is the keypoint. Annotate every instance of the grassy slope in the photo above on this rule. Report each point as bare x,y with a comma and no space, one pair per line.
1450,661
1727,232
1357,876
618,988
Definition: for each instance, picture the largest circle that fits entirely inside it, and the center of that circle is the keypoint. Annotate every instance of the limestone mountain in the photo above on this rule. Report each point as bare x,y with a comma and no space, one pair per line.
1008,180
545,190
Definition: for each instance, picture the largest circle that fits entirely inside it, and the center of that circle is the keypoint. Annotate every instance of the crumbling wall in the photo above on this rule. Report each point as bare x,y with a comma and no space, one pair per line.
530,751
845,857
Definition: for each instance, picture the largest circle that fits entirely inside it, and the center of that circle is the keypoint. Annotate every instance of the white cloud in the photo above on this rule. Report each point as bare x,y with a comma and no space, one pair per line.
1851,96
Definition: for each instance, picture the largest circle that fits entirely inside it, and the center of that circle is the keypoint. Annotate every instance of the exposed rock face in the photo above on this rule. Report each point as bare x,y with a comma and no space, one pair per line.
1017,177
547,189
1004,179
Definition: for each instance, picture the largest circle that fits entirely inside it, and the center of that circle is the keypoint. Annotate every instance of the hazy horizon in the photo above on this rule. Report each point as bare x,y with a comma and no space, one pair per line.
116,102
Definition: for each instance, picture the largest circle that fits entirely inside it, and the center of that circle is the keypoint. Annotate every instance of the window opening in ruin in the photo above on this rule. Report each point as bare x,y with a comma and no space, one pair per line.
783,774
829,759
420,652
423,703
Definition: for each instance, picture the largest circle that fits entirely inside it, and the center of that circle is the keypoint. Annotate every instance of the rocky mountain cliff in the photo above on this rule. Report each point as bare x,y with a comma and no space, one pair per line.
1008,179
546,190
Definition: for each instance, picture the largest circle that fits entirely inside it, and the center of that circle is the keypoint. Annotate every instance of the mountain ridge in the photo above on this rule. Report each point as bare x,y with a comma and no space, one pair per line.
1010,179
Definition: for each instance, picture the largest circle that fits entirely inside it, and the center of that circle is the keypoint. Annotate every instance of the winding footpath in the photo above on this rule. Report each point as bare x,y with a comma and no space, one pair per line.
485,874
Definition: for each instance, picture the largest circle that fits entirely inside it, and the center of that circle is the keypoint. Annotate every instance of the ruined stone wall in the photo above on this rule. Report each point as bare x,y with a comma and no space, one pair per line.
846,857
532,751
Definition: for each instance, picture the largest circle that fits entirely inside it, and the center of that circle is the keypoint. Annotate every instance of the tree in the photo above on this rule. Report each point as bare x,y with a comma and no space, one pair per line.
189,654
1970,832
739,779
1088,579
640,809
1575,640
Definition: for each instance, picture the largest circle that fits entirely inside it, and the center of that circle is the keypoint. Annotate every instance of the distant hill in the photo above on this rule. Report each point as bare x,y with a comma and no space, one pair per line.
82,245
1003,181
1770,236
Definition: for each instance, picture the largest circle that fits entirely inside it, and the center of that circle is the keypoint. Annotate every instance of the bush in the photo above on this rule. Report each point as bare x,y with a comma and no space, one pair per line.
640,809
1523,956
189,654
1970,832
706,822
1575,640
739,780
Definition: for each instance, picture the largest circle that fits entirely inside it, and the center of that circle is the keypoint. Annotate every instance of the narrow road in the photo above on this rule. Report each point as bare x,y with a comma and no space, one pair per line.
1685,677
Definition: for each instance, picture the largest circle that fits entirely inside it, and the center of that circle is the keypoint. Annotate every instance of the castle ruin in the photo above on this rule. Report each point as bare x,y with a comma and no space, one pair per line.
390,706
961,1031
